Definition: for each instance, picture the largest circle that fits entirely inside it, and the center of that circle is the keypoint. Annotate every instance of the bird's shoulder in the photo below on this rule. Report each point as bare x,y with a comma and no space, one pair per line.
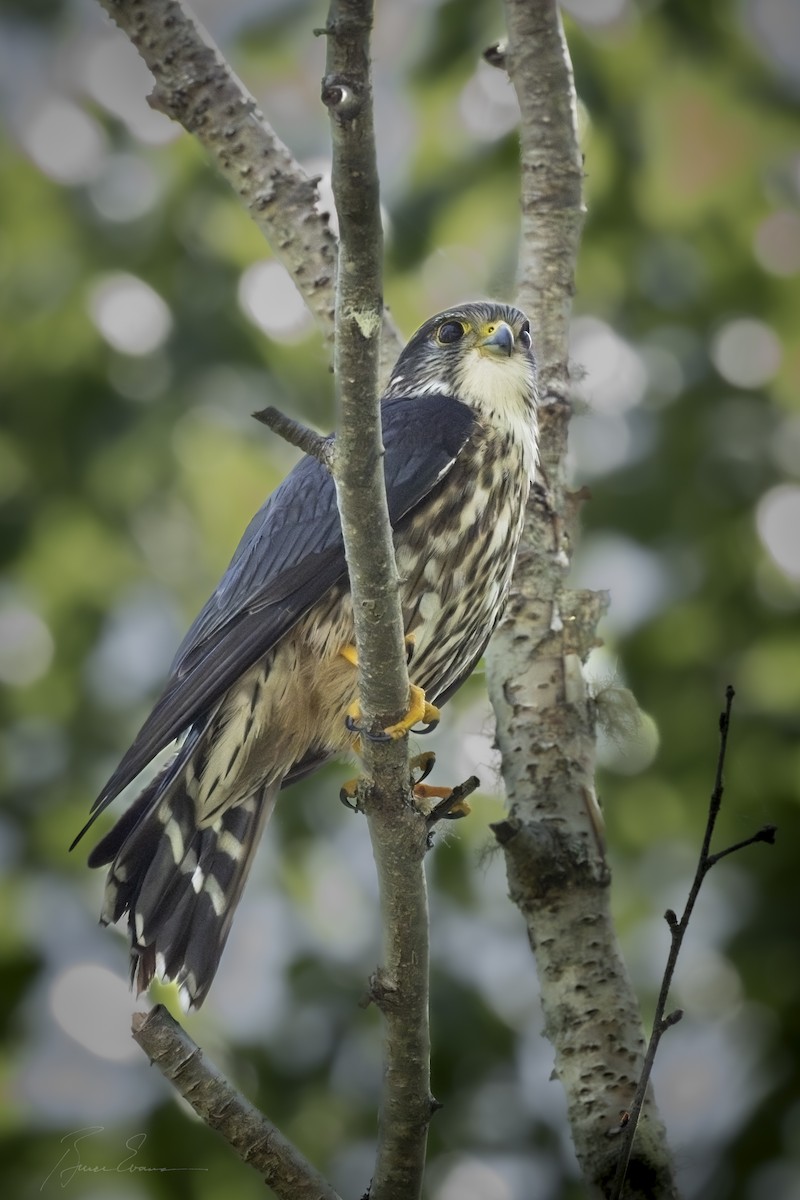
423,435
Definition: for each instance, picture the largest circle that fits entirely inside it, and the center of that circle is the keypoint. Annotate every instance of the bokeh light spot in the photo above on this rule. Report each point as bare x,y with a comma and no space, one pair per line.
129,314
746,352
778,524
115,76
269,297
471,1179
93,1006
616,376
638,579
489,104
777,243
597,13
127,188
26,646
65,142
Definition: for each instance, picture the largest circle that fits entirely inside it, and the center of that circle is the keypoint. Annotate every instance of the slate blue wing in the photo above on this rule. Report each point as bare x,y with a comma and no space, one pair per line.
291,554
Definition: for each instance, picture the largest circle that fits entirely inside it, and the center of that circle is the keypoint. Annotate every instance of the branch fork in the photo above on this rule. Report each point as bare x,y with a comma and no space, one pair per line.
677,929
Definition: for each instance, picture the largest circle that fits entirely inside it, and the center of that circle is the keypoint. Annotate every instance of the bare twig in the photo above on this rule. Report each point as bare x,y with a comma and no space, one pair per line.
297,434
677,928
398,832
255,1139
448,808
552,839
196,86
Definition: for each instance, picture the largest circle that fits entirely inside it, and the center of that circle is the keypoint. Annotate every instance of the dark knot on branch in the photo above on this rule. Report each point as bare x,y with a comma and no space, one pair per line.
341,97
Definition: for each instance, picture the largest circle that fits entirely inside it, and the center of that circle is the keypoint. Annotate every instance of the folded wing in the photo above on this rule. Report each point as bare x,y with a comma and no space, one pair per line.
291,554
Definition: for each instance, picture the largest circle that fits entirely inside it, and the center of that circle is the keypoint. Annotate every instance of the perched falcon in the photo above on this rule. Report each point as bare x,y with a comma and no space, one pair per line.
262,683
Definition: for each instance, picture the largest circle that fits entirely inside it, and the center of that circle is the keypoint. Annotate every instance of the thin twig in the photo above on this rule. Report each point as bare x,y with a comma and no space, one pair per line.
765,834
196,86
255,1139
297,434
398,832
677,928
445,809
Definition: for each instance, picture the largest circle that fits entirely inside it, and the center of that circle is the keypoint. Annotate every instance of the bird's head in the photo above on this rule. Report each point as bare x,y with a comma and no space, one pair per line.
480,353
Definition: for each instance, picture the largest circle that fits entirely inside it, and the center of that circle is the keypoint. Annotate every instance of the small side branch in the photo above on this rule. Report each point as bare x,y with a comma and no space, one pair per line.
255,1139
662,1020
196,87
297,434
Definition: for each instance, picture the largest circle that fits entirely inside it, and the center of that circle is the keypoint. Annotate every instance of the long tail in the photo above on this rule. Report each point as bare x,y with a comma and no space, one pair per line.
179,883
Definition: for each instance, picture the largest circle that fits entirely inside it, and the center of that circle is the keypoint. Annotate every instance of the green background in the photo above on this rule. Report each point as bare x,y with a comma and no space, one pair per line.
129,466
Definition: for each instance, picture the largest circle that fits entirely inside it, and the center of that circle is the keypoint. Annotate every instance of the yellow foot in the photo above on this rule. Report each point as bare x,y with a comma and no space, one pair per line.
421,766
418,710
449,804
452,802
434,803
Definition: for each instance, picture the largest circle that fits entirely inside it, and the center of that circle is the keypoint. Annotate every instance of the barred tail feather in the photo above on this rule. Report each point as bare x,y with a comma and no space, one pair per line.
179,883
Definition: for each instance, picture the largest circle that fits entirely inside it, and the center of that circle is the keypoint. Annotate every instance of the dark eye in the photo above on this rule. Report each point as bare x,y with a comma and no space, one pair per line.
525,335
451,331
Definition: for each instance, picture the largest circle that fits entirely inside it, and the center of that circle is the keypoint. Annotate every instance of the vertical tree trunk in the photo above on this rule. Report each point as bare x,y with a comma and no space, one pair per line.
553,835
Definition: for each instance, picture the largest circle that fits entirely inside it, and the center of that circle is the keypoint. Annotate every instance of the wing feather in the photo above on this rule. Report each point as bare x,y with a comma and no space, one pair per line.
290,555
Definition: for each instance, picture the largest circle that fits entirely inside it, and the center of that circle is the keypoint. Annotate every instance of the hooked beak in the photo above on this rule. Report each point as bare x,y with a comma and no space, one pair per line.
500,340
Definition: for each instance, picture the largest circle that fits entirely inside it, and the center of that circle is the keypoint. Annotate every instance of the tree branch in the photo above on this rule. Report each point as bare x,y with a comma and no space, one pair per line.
553,839
662,1022
255,1139
397,830
196,87
297,434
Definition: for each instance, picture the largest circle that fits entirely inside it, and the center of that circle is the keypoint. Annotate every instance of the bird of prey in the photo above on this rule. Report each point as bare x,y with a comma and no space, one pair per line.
262,684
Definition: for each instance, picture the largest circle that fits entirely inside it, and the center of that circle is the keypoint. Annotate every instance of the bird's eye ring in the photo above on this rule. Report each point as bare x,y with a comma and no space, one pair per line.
525,335
450,331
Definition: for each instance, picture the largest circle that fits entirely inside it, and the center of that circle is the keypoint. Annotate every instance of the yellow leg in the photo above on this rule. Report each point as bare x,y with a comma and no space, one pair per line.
351,653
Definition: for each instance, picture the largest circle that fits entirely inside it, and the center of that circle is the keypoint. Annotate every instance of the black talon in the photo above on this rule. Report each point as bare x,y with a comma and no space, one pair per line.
444,809
344,798
426,769
429,728
376,737
446,815
352,726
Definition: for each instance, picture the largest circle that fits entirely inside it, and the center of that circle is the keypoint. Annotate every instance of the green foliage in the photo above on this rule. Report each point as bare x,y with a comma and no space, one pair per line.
128,470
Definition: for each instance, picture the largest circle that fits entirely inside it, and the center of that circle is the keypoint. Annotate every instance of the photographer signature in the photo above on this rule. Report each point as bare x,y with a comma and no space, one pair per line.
71,1163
